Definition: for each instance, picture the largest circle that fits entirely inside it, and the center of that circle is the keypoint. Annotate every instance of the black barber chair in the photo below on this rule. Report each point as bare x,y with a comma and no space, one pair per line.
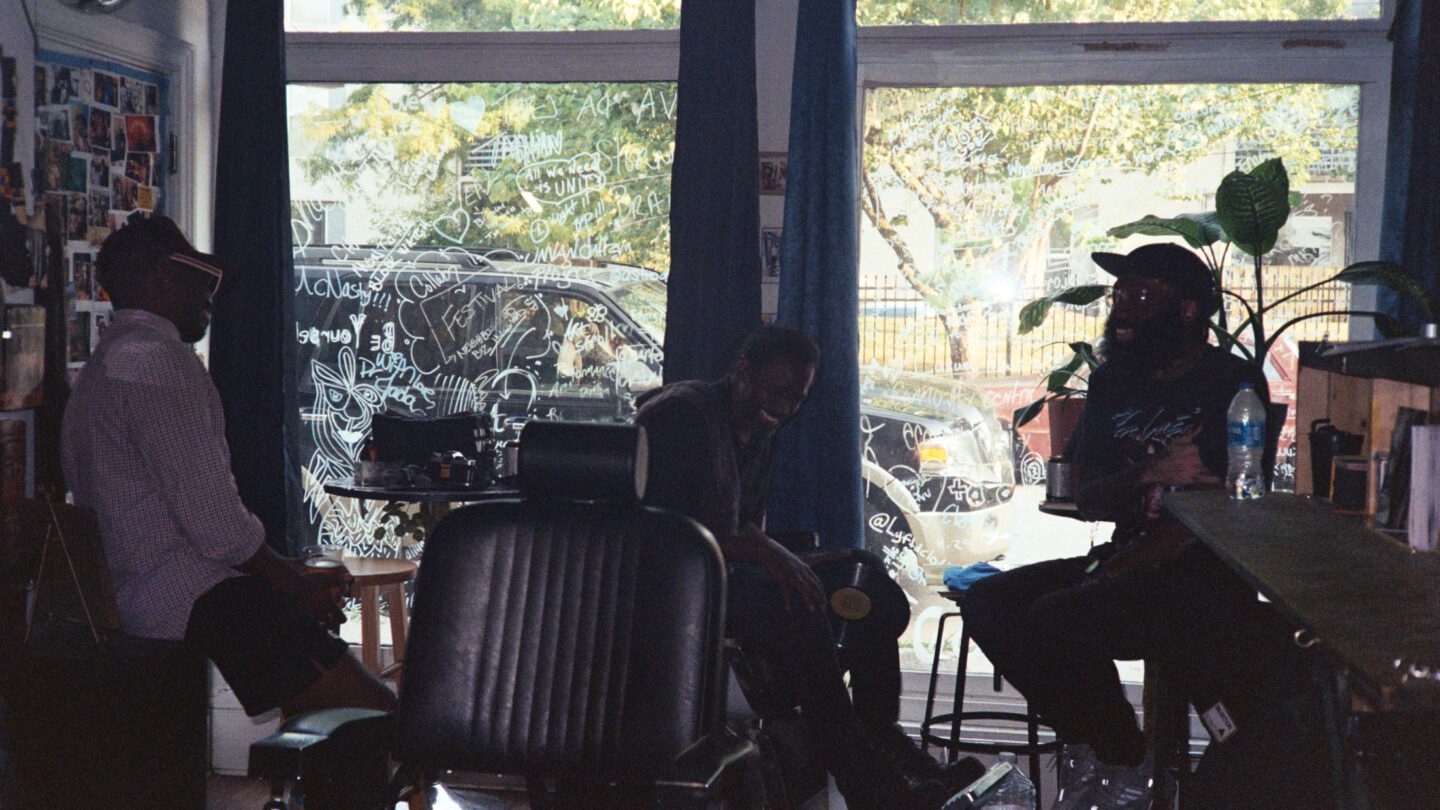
571,636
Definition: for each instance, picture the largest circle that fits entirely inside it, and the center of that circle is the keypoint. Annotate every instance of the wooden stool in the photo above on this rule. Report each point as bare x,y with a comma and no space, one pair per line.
376,577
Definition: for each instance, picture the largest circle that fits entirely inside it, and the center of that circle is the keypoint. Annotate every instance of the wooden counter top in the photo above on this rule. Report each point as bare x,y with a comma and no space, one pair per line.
1373,602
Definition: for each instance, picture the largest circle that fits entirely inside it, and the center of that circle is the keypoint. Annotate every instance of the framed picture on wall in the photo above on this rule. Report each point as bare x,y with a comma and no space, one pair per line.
772,172
770,253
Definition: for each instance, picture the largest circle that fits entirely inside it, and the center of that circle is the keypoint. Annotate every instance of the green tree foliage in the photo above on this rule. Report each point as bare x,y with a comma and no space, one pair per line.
516,15
1000,169
551,172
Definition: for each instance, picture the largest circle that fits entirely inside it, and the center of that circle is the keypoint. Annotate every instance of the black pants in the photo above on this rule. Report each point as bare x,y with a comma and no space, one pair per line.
800,647
1055,637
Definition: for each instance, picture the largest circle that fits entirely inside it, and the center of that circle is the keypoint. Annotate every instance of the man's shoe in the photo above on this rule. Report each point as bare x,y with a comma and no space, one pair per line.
1125,788
906,756
1076,777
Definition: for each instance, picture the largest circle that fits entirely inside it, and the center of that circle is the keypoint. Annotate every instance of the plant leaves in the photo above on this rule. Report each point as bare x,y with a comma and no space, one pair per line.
1086,353
1033,314
1022,416
1198,230
1391,275
1253,207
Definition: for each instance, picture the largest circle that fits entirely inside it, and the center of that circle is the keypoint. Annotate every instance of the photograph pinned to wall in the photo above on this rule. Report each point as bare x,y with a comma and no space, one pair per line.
82,275
152,99
80,126
132,96
62,89
77,172
100,170
140,133
101,322
100,208
770,253
773,166
145,198
99,131
79,336
124,190
117,138
55,121
138,167
107,89
78,216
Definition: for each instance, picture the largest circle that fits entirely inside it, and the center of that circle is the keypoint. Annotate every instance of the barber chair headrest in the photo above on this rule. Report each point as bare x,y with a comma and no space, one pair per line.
583,461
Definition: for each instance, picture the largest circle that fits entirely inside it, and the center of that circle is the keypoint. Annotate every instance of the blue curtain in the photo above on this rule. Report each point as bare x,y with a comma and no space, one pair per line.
714,283
816,481
254,313
1410,234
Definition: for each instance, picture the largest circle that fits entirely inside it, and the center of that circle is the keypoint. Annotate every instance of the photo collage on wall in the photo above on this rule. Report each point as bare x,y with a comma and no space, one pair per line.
100,164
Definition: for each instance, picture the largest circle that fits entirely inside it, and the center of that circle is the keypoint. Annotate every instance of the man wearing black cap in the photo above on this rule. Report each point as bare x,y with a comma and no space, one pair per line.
143,445
1154,419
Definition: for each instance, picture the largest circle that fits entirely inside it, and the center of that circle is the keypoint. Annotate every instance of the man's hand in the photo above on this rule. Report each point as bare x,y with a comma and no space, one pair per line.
1179,464
798,584
322,593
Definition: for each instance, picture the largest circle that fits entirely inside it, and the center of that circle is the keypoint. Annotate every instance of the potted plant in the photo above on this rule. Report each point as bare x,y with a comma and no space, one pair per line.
1250,209
1064,396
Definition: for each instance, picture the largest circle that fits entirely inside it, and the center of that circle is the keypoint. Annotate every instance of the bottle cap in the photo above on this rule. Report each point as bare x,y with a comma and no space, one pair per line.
1247,386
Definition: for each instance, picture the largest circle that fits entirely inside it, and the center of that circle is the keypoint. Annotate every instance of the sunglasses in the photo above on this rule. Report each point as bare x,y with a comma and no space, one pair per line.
1138,294
213,274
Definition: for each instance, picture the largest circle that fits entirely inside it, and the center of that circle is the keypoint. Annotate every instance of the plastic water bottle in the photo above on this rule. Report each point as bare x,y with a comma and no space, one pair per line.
1015,791
1245,445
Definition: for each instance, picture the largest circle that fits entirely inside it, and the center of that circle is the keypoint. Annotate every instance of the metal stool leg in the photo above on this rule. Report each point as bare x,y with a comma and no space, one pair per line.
953,752
934,678
1034,739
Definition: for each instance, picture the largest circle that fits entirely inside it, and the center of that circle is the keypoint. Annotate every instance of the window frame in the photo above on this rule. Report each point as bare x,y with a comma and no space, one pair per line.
505,56
1356,52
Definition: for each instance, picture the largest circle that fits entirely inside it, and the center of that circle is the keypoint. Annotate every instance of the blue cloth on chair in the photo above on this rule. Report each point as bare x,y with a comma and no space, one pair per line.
961,577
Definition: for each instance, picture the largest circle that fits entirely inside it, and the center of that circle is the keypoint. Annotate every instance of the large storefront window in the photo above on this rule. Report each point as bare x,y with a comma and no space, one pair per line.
1018,12
976,200
471,247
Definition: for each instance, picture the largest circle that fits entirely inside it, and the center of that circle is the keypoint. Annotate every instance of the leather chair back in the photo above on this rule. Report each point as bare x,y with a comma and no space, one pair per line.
551,636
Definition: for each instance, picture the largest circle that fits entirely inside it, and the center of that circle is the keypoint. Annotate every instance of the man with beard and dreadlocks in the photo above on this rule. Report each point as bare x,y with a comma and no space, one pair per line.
1154,419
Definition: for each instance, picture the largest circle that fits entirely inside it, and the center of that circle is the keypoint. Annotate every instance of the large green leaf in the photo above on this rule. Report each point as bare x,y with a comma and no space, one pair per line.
1025,414
1033,314
1198,230
1388,274
1253,207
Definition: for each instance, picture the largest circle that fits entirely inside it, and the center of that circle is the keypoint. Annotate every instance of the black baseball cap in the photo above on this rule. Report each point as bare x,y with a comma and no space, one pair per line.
144,243
1170,263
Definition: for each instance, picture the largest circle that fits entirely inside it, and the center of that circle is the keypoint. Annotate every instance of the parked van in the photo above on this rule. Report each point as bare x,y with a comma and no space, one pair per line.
441,331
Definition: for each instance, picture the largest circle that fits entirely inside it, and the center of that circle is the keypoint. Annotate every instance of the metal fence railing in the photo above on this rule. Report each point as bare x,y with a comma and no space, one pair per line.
899,329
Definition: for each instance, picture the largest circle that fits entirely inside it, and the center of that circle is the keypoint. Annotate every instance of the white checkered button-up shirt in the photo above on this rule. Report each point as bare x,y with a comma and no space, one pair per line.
143,445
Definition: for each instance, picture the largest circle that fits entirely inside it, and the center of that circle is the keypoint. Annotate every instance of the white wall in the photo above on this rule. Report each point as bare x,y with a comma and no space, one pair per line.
774,63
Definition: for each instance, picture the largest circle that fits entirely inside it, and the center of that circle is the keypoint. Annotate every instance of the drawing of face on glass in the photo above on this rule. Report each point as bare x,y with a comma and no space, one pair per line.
343,407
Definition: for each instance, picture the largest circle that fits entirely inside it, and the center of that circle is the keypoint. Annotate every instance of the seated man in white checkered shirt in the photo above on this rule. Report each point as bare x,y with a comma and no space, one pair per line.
143,445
